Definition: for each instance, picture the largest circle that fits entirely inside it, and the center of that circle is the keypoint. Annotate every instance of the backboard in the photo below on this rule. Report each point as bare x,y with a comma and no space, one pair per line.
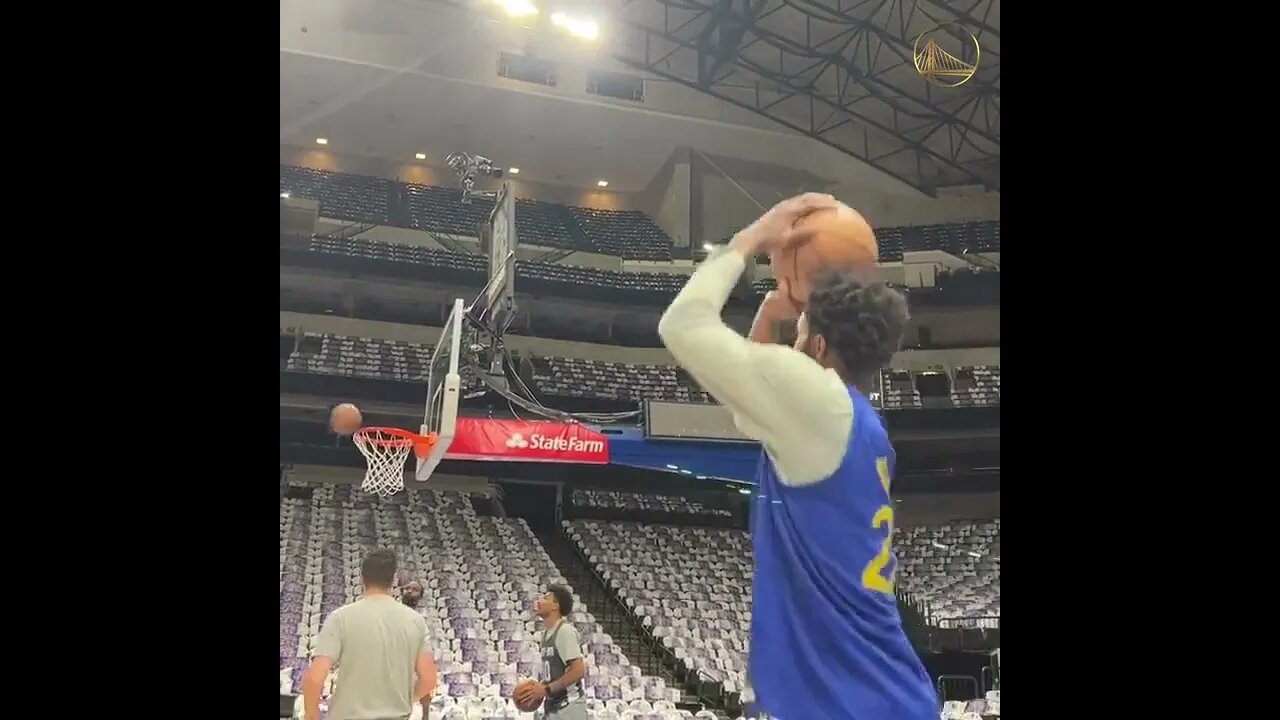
443,390
495,306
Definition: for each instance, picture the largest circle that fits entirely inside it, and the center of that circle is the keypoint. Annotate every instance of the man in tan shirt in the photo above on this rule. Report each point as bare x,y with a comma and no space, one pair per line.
379,645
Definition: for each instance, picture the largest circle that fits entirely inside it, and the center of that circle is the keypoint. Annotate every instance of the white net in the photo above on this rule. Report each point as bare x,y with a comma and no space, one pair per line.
386,454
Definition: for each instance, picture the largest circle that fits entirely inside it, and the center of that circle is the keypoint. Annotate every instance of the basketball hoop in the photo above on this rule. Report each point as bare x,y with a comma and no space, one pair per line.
386,449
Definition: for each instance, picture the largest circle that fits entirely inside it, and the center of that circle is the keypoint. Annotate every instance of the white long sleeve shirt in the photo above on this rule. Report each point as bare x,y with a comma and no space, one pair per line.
799,411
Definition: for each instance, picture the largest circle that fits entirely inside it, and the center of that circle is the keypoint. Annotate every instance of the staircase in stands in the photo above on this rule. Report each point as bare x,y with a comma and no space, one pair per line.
616,619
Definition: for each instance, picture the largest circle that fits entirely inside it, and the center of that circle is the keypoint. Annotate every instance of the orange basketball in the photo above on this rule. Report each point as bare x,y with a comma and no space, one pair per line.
345,419
844,239
515,697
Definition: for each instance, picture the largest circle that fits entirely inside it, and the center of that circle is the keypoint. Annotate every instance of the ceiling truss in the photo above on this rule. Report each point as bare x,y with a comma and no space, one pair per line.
839,71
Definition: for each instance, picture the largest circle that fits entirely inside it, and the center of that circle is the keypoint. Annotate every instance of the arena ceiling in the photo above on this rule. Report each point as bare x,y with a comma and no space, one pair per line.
841,72
772,81
377,112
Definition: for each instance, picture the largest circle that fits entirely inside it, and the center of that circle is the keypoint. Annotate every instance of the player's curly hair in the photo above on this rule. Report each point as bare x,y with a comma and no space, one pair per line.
862,318
563,597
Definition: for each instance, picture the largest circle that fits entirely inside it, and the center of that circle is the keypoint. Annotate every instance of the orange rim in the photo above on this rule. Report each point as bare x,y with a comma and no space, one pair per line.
399,438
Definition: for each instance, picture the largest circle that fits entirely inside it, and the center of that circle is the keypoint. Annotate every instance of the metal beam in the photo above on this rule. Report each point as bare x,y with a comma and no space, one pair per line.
966,18
864,156
722,45
901,42
860,90
892,133
867,77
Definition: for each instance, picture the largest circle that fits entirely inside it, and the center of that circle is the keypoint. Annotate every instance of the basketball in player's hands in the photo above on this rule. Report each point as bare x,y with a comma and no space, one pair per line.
526,696
345,419
841,238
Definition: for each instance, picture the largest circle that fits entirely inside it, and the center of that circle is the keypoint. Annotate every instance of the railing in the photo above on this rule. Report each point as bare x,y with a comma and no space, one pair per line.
657,651
989,681
985,622
350,230
957,687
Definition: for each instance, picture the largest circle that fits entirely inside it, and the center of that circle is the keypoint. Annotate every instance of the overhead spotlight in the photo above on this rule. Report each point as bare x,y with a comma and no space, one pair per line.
745,491
514,171
519,8
322,141
602,183
708,247
577,27
284,195
420,156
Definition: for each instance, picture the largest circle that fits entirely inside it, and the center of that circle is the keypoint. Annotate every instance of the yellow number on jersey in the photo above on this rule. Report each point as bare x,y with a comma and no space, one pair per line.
872,579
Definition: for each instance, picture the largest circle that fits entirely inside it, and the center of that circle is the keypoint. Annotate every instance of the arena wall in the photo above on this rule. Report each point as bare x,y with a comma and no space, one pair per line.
725,208
940,508
725,194
912,510
692,200
909,359
666,198
919,269
424,173
406,236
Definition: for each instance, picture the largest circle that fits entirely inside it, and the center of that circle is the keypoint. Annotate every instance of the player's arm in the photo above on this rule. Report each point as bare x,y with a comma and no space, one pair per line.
569,648
424,667
426,686
800,411
326,655
776,309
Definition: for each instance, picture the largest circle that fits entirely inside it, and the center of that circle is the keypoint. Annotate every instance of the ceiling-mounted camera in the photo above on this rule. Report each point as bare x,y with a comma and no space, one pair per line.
468,166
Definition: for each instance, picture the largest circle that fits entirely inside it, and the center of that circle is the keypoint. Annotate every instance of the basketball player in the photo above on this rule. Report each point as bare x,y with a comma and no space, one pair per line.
560,686
411,595
826,638
379,645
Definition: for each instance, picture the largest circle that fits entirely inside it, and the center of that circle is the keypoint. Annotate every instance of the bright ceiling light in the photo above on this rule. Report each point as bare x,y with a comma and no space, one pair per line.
514,171
708,247
577,27
519,8
420,156
602,183
284,195
322,141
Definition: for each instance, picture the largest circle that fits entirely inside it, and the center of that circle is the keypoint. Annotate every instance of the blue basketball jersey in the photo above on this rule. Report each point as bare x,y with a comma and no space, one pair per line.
826,638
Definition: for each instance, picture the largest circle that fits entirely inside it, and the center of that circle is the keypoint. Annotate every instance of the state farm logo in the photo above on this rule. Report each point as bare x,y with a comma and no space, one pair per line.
558,443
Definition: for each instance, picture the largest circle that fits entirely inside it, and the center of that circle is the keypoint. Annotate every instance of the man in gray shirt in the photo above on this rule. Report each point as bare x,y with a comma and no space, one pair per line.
379,645
560,682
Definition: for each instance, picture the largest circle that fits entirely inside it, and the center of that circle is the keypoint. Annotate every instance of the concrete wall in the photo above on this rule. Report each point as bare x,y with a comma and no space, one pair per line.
666,199
424,173
909,359
694,197
727,195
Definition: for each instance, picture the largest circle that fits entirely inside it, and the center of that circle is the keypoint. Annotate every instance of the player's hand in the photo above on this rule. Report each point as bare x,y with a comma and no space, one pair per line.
533,692
777,303
775,229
